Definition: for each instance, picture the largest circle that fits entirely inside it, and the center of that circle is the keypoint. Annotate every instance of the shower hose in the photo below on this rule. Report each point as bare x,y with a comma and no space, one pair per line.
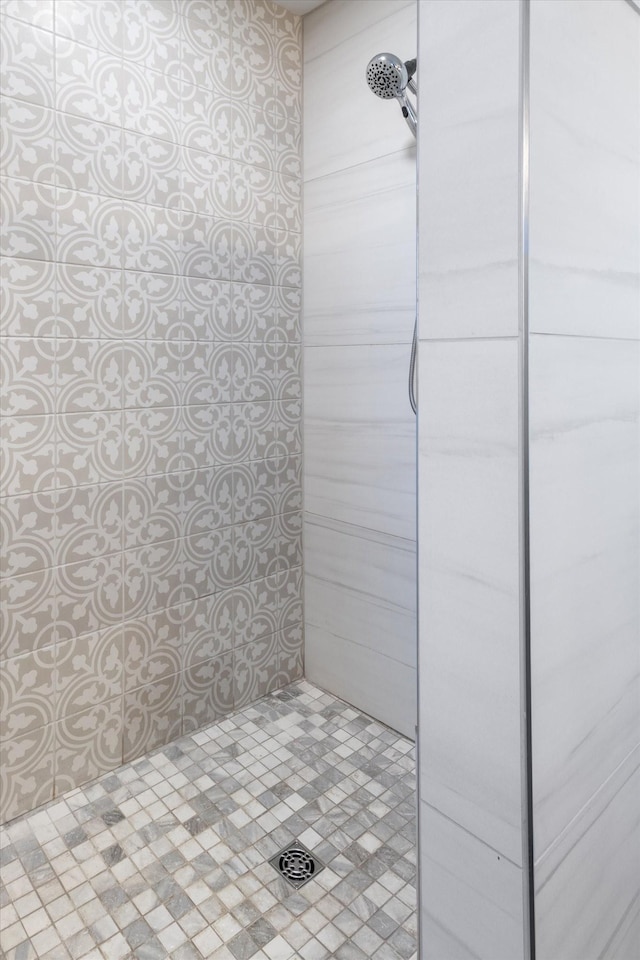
412,368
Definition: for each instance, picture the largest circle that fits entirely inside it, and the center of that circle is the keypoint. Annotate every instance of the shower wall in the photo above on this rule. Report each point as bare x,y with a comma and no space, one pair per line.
150,353
584,362
472,871
359,310
529,398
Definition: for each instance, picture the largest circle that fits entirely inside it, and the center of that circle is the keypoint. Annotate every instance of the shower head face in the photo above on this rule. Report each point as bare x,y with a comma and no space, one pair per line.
387,76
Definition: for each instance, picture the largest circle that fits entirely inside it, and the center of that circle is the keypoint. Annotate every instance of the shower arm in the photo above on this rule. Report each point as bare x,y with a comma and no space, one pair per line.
408,112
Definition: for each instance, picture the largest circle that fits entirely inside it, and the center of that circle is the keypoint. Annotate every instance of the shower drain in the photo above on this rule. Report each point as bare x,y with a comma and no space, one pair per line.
296,864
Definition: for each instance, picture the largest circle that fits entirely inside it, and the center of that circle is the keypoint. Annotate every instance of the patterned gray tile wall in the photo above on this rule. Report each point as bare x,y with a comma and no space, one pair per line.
150,377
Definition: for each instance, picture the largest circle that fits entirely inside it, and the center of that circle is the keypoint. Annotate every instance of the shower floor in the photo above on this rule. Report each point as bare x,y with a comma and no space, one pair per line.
168,856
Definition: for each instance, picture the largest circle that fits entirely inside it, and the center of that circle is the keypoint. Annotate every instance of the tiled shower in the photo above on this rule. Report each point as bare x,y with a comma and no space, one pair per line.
151,389
237,576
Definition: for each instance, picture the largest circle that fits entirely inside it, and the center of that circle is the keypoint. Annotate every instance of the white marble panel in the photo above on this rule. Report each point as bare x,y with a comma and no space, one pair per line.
585,168
618,782
376,622
345,123
377,568
359,309
383,688
360,634
340,20
358,383
585,654
360,253
470,897
626,939
468,168
362,474
586,902
360,437
469,587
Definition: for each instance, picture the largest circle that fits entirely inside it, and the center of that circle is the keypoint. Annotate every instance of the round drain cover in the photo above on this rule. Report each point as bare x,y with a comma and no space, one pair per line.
297,865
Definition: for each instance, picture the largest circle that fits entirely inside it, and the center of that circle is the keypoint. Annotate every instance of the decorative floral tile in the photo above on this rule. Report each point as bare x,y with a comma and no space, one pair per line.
26,772
87,745
27,533
152,647
27,61
27,141
27,683
152,716
256,610
29,220
28,604
149,484
28,307
208,692
88,671
208,627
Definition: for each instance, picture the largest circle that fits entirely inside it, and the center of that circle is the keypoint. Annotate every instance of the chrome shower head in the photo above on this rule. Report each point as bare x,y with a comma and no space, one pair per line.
388,77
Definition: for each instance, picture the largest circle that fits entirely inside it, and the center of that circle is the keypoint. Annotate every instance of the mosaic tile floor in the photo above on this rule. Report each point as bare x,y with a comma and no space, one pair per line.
168,856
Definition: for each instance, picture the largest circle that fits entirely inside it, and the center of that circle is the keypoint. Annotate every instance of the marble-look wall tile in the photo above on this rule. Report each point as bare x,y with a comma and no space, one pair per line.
354,17
469,587
471,898
468,270
360,618
376,684
360,437
587,892
472,870
626,938
584,458
584,477
585,169
362,586
342,609
371,297
359,304
342,131
387,563
585,618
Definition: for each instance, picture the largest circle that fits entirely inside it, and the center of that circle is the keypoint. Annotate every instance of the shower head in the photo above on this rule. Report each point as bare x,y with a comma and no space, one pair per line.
388,77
